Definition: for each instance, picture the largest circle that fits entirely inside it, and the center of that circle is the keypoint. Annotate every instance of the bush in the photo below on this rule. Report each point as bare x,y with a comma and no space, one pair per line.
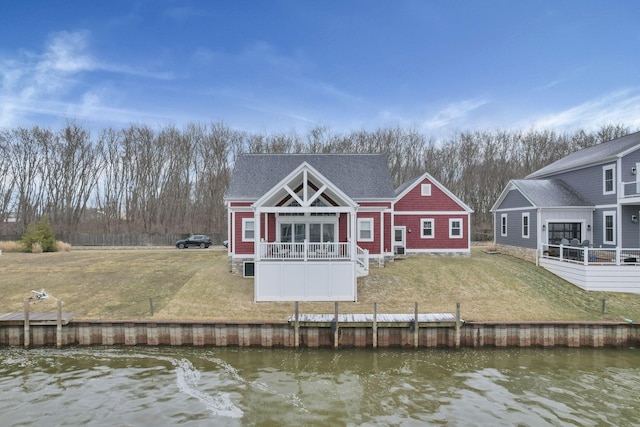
11,246
36,248
62,246
39,233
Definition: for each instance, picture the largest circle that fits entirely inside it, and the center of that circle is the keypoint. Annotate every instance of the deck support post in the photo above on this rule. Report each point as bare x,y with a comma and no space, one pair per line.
375,325
335,326
416,328
59,324
27,333
296,328
458,324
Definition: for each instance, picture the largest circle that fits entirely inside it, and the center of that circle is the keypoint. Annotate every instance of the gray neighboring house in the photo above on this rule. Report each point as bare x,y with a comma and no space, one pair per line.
578,217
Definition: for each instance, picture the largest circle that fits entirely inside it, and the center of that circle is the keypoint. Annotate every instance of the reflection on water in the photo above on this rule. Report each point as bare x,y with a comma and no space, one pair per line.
235,387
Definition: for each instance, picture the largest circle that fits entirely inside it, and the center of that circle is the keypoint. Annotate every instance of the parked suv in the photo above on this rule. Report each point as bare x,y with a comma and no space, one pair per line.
198,240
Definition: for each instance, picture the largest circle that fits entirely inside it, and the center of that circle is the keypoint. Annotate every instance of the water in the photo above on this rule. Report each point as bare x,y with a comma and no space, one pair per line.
238,387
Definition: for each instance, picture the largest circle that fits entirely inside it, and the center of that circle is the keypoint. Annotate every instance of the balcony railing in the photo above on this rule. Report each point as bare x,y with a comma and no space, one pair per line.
631,189
305,251
592,256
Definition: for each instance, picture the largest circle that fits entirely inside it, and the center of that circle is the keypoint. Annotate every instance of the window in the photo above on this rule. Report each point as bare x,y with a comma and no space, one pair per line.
427,228
365,230
248,229
503,224
564,230
609,227
425,190
455,228
608,180
525,225
293,232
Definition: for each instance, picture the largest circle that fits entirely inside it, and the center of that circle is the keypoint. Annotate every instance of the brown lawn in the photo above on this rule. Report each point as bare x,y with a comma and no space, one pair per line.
196,285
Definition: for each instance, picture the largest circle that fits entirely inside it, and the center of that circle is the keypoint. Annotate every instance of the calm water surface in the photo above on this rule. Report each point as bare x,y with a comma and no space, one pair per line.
238,387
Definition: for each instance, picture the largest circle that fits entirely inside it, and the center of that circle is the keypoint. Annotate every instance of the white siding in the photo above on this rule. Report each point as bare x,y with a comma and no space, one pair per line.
609,278
310,281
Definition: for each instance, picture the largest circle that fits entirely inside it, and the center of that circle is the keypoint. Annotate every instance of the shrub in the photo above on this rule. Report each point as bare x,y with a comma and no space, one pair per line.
40,233
10,246
62,246
36,248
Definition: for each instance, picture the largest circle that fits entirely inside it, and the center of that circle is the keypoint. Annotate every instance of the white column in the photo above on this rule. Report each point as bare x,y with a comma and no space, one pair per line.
257,214
353,233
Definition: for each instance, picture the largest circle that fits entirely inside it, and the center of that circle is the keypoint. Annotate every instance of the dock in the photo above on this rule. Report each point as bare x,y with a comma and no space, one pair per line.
382,320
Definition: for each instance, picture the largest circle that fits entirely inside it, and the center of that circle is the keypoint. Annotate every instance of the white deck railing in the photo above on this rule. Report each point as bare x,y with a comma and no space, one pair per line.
305,251
362,258
592,256
631,189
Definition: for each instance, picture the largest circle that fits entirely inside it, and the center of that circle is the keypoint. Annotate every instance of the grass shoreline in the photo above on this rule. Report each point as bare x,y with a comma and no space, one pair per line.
196,285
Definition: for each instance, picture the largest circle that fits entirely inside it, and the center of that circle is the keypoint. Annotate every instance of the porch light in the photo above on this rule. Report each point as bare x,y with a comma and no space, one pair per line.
634,218
588,227
544,227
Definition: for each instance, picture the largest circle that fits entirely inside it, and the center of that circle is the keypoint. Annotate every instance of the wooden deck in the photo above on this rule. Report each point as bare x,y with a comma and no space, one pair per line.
36,319
382,320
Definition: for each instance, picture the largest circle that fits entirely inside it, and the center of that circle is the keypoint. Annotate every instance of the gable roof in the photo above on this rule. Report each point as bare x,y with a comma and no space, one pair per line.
405,187
359,176
601,153
544,193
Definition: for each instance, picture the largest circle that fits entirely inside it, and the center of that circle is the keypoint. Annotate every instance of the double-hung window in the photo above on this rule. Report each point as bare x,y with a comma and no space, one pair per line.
427,230
609,227
455,228
248,229
503,224
365,229
608,179
525,225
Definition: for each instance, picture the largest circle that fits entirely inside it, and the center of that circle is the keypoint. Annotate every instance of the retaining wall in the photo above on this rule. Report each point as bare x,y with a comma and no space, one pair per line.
273,335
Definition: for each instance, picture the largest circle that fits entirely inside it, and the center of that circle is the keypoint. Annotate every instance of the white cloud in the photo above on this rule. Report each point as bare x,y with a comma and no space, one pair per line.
622,106
452,113
48,83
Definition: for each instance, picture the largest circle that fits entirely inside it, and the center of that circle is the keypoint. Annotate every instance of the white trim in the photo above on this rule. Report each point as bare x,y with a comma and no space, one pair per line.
371,229
528,233
605,214
504,225
374,209
431,213
433,228
450,251
244,229
461,228
425,190
611,168
438,185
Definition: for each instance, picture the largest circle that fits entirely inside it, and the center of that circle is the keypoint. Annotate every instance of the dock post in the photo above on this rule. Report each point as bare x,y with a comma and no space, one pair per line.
458,324
335,326
416,327
27,337
59,325
375,325
296,328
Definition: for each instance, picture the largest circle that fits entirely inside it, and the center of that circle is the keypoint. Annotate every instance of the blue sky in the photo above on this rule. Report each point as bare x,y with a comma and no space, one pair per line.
279,66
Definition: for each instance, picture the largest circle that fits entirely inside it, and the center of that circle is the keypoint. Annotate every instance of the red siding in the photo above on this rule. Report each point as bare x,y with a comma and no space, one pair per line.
441,239
438,201
240,246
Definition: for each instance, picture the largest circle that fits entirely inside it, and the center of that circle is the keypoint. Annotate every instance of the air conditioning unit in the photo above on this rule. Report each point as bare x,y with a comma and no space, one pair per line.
248,269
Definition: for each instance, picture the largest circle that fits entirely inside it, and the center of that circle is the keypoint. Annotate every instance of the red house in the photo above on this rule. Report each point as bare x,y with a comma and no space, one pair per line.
306,226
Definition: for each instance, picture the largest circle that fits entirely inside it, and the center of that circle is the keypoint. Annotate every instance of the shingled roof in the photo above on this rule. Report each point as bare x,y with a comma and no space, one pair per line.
600,153
549,193
360,176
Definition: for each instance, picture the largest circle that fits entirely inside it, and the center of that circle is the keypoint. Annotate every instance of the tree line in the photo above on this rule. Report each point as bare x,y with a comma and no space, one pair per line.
143,180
